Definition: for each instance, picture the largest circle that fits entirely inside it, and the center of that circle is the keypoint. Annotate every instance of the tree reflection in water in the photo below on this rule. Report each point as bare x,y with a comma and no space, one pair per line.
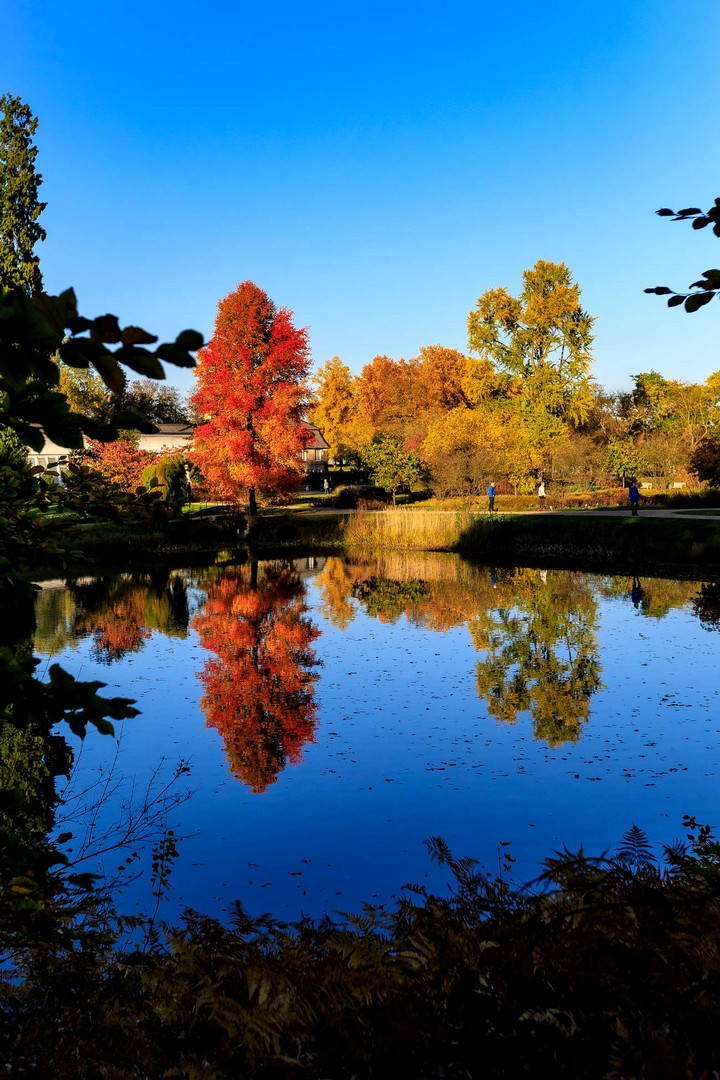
260,686
119,613
536,629
541,652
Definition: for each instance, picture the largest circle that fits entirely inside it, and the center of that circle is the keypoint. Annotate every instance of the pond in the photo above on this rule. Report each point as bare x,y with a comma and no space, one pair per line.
335,712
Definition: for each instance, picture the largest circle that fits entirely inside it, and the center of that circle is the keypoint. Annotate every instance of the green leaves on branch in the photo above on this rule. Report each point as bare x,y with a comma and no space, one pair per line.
36,330
708,285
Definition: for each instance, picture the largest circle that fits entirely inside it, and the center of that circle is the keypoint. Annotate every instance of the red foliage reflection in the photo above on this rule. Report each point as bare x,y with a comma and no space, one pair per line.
259,690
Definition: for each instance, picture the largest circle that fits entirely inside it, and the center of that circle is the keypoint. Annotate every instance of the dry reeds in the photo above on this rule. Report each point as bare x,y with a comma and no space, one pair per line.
404,529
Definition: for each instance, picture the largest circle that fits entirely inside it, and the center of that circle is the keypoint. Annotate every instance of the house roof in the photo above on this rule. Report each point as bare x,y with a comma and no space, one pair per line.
317,442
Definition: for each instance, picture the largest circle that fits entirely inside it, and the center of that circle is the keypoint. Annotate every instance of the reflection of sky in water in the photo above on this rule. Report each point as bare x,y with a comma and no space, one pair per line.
405,749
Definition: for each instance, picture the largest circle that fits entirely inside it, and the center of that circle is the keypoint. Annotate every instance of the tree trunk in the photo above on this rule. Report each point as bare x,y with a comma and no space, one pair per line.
252,503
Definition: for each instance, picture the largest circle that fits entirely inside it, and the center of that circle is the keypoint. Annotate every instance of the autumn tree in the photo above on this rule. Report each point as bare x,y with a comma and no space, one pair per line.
334,409
121,461
385,396
441,377
20,208
464,449
250,390
543,338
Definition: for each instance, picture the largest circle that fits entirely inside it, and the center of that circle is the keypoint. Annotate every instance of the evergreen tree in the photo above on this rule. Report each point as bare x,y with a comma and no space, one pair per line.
20,209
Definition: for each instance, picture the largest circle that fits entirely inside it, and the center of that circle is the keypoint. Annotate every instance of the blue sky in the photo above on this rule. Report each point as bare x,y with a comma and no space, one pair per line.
375,168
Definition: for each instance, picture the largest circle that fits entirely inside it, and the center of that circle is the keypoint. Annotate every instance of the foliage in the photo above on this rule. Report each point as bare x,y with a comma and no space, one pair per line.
167,475
38,898
390,465
603,966
543,338
120,461
20,208
13,452
708,286
705,462
251,388
154,402
334,411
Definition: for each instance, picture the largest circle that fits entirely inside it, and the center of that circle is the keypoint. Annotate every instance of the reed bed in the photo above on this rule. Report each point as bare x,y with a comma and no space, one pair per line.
405,529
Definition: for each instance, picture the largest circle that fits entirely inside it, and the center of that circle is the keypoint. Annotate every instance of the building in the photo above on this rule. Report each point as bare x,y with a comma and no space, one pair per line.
179,437
315,455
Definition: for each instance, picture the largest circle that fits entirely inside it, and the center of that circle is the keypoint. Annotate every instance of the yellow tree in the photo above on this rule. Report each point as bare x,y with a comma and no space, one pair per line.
334,410
541,338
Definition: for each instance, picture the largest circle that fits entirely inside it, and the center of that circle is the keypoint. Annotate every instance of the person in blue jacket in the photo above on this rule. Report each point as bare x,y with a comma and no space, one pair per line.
634,497
491,497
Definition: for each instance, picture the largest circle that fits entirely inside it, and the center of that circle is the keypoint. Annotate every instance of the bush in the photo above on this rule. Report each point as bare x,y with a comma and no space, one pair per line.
350,497
169,476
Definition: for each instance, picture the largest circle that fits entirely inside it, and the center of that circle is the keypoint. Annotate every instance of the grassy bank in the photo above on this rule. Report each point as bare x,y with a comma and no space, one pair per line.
610,542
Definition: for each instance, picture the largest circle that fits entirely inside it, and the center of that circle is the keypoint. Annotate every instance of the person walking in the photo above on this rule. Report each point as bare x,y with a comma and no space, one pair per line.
541,495
634,497
491,497
326,485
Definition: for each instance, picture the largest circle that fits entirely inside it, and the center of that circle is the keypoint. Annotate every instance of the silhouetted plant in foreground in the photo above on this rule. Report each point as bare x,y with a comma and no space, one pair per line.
602,967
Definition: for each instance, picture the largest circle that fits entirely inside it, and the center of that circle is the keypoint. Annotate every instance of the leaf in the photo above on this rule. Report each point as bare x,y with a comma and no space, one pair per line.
660,290
701,222
689,210
675,301
698,300
665,212
109,371
142,361
189,340
135,335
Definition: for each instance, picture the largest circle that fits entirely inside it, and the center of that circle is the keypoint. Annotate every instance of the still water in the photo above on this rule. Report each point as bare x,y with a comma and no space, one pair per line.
335,712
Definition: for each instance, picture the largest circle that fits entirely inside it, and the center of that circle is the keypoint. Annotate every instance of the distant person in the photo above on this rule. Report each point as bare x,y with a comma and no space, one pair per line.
491,497
493,579
326,485
634,497
636,593
541,495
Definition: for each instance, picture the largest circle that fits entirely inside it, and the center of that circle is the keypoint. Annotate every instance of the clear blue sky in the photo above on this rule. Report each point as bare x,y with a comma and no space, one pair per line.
376,167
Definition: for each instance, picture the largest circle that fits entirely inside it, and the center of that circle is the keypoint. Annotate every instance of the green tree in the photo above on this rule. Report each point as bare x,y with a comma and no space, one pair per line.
543,338
169,475
623,457
390,466
20,208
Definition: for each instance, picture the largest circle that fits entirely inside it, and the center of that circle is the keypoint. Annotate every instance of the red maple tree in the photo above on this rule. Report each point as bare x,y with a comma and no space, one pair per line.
250,389
260,685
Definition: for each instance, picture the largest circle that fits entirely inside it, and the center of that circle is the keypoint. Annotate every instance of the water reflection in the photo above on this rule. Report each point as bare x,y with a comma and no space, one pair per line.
535,630
260,685
119,613
540,652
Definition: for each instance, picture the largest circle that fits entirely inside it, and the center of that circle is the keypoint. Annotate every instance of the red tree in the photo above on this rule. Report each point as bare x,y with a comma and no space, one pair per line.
250,388
259,687
120,461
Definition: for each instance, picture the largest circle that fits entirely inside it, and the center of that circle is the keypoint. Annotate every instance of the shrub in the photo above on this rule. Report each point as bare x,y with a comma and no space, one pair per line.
349,497
168,474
